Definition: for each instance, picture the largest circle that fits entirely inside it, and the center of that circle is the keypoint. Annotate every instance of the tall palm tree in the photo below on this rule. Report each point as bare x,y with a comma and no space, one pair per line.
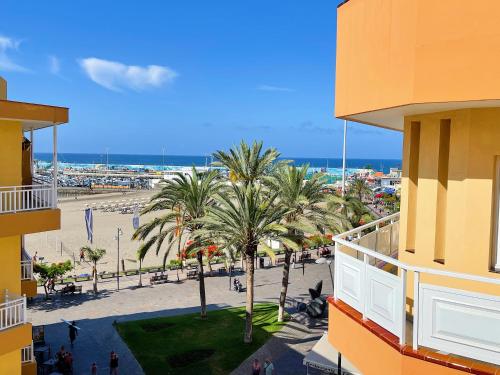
244,218
247,164
359,188
305,203
184,200
94,256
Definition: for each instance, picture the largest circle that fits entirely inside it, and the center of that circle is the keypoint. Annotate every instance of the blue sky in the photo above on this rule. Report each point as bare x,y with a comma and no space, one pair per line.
189,76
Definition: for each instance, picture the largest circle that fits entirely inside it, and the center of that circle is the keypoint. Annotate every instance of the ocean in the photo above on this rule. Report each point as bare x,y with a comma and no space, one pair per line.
168,162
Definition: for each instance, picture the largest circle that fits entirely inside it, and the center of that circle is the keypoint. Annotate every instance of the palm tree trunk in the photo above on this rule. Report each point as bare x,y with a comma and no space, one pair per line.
249,303
94,275
284,285
201,278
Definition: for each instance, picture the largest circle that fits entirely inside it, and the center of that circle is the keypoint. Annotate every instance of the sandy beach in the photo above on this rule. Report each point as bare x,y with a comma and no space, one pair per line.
73,234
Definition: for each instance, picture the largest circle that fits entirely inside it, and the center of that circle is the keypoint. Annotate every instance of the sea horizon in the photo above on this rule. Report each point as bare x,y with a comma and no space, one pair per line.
154,161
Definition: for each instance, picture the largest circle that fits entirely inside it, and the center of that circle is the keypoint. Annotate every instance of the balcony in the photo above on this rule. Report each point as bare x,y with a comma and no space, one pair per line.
28,362
27,198
12,310
28,281
459,325
27,354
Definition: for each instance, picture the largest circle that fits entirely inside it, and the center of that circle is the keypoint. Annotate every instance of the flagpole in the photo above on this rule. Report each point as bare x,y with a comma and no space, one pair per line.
343,158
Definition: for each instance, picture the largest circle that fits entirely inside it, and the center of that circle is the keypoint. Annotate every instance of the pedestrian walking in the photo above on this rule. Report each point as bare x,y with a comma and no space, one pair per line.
268,367
256,367
93,369
113,364
73,332
82,255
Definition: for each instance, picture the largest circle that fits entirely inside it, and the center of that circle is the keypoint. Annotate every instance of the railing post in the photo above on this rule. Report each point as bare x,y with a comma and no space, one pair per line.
24,308
15,200
416,287
365,266
402,337
335,267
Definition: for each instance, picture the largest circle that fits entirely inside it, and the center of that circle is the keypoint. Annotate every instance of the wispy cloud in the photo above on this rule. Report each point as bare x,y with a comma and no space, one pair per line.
54,65
310,127
117,76
274,88
6,63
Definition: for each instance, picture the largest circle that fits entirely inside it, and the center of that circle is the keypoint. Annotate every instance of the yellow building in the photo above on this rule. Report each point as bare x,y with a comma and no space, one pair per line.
26,206
430,69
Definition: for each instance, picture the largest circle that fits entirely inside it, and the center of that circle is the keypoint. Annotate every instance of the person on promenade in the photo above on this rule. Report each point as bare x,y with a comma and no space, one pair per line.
82,256
93,369
256,367
73,332
268,367
113,364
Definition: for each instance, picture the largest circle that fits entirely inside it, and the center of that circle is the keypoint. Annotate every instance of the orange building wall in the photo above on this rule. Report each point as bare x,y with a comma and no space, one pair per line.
468,216
396,52
370,354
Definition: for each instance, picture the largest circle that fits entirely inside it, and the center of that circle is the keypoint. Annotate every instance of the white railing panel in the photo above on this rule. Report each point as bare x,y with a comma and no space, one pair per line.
27,354
12,313
26,198
460,322
383,299
26,269
349,280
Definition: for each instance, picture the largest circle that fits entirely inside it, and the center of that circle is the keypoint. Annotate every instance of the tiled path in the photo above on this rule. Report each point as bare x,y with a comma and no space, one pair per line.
95,315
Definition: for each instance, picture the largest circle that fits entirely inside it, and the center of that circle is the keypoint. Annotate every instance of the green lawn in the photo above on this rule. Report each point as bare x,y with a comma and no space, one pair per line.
185,344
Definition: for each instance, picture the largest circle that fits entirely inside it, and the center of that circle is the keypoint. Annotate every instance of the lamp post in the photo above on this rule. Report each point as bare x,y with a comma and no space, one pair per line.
329,262
118,234
344,157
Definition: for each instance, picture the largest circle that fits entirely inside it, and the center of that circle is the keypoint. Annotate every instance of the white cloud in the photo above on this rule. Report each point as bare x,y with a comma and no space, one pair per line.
117,76
274,88
54,65
6,63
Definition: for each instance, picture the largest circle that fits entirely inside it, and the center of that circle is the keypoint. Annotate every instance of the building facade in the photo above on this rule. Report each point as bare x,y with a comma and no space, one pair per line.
428,69
26,206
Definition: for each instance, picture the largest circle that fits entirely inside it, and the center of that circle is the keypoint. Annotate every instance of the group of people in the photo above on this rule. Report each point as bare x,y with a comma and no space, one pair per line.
268,367
64,361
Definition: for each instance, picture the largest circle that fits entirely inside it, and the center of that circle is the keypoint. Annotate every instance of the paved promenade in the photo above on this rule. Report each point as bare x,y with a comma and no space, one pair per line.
96,314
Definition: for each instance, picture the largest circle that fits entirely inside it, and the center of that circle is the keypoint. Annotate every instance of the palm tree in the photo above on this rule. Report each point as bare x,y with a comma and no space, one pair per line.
349,207
184,199
359,188
94,256
244,218
306,213
247,164
247,216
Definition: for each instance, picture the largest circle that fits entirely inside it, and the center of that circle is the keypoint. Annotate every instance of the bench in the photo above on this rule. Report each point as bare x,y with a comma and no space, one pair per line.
305,256
280,261
158,279
131,272
325,252
155,269
108,275
70,289
192,274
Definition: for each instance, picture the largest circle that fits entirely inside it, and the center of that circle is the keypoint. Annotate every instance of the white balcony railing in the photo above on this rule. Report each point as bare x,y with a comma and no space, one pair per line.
27,354
450,320
26,198
12,310
26,269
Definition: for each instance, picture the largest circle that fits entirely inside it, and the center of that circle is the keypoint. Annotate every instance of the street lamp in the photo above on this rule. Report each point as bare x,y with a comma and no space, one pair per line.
119,232
329,262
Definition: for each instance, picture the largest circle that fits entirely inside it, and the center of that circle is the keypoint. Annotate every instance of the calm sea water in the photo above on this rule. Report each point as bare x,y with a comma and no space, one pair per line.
158,162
